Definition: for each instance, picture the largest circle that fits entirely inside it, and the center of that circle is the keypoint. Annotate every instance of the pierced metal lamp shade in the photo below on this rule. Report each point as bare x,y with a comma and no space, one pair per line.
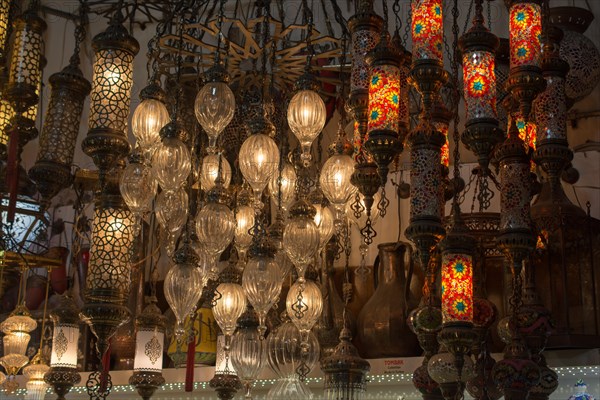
106,141
52,170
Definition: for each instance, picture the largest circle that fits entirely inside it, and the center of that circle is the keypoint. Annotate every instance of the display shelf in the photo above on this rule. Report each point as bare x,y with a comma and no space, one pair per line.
389,379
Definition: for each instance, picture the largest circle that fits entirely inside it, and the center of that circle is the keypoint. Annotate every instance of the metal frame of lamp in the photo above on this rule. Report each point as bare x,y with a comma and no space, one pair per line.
63,374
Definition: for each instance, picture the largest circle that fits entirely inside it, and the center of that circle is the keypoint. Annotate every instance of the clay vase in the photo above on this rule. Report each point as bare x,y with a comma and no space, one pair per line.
35,292
58,275
382,327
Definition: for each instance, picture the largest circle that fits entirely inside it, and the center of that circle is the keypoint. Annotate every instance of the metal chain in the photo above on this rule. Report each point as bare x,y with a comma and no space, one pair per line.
489,14
396,10
385,17
408,26
309,32
79,34
220,17
456,94
468,19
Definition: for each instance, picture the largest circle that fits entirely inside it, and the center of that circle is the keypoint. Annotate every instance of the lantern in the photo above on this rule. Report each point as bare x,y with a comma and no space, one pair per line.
427,30
115,49
383,140
171,210
149,340
171,160
229,303
478,46
304,304
225,381
247,351
282,185
525,80
25,69
138,188
108,281
52,169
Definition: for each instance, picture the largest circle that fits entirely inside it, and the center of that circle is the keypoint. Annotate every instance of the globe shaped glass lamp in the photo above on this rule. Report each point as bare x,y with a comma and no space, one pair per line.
171,210
284,355
215,227
259,162
304,304
261,281
214,108
171,163
301,241
324,220
148,119
248,356
306,117
282,185
228,305
244,218
138,188
335,181
183,286
210,170
352,209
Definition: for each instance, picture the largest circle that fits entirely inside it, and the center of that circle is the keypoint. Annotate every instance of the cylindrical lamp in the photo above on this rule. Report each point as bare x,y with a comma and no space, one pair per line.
26,61
65,338
109,272
149,342
525,81
52,170
478,46
16,328
383,141
106,141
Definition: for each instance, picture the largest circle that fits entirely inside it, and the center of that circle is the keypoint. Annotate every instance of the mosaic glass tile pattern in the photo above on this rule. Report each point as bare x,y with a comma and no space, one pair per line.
479,84
427,29
457,288
525,27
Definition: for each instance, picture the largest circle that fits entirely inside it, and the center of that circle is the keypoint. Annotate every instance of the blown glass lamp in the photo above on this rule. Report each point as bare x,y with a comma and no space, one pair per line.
285,357
215,105
215,223
35,372
301,236
478,46
106,141
138,188
259,158
149,117
4,14
229,303
183,285
172,160
65,340
282,185
149,343
336,174
171,210
244,219
16,329
210,170
304,304
261,281
306,117
248,351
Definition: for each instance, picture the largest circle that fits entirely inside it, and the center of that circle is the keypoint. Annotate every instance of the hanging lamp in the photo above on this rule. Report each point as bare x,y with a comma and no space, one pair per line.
478,46
63,374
